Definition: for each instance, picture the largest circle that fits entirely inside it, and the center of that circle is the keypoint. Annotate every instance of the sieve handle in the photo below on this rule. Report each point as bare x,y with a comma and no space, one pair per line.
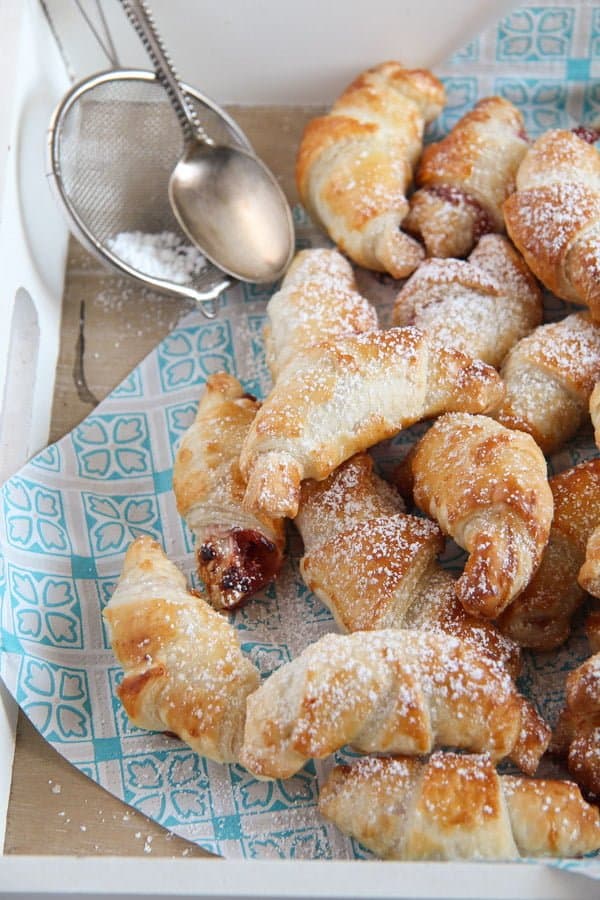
141,18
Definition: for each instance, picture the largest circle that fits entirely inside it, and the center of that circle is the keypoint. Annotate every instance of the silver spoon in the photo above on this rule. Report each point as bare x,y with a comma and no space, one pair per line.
225,199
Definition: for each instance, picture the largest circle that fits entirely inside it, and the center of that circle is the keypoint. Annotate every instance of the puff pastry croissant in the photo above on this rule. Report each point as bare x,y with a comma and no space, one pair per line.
355,164
540,617
375,567
341,397
464,179
487,487
237,552
457,807
392,691
184,669
318,301
554,216
482,307
549,377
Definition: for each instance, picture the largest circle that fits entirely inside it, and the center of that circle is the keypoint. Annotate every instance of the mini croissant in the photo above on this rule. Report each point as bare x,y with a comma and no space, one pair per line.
482,306
389,691
464,179
549,376
553,217
318,301
184,669
238,552
455,806
540,617
375,567
487,487
355,164
344,396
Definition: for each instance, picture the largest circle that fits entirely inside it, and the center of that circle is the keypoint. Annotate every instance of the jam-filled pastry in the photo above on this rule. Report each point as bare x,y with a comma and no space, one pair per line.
554,216
391,691
589,575
487,487
238,552
482,306
456,806
375,567
540,617
344,396
355,164
464,179
577,734
318,301
549,376
595,411
184,670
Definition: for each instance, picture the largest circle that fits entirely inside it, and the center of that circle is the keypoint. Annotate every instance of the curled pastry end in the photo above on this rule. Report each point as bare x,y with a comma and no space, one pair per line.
533,740
273,486
397,252
236,563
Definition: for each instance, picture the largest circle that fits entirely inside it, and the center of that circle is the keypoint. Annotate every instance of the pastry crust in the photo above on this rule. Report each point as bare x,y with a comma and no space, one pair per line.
561,171
595,412
464,179
375,567
184,670
355,164
589,575
487,487
318,301
238,552
342,397
549,377
540,618
455,806
392,691
481,307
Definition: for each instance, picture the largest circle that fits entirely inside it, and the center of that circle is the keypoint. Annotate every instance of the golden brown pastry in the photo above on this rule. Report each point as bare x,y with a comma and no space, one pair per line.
554,216
549,377
482,307
318,301
375,567
595,411
589,575
455,806
464,179
577,734
392,691
238,552
184,670
344,396
487,487
355,164
540,617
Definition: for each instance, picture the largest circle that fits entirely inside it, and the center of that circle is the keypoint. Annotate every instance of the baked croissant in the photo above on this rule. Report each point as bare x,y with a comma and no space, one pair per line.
540,617
184,670
487,487
589,575
318,301
464,179
595,411
375,567
237,552
549,376
482,307
554,216
344,396
389,691
355,164
455,806
577,734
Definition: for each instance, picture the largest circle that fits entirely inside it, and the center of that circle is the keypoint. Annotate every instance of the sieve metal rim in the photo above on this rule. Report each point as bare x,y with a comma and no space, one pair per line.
206,299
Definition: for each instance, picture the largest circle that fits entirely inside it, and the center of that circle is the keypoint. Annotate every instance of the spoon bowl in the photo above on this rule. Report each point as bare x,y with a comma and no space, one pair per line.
230,205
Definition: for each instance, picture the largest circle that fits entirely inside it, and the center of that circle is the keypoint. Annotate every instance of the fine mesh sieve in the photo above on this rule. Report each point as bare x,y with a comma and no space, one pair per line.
114,141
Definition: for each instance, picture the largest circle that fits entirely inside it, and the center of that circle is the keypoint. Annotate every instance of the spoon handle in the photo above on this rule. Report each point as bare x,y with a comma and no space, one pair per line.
141,18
